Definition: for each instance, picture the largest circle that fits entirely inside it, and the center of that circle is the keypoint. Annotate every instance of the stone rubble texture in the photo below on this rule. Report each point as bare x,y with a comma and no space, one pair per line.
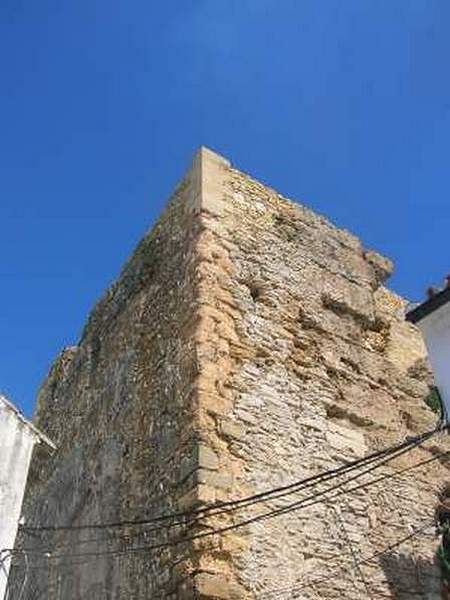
248,343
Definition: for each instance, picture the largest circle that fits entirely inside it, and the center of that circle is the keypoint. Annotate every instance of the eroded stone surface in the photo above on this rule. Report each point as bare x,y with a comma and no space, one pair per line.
248,343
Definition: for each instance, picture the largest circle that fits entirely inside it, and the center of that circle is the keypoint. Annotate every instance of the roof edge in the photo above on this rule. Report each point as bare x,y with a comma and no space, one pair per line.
41,436
426,308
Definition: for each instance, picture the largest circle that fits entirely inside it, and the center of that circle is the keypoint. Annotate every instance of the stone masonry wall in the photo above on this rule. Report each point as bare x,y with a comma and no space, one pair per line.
325,370
122,408
248,343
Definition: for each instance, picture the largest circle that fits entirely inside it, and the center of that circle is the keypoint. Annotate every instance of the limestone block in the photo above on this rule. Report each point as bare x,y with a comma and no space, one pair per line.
351,300
213,168
207,458
232,429
343,438
382,266
214,585
216,480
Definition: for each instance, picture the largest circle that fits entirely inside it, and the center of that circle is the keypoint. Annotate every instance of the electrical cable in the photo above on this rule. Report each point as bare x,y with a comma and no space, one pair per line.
352,552
296,505
391,453
261,496
304,503
321,493
290,508
275,593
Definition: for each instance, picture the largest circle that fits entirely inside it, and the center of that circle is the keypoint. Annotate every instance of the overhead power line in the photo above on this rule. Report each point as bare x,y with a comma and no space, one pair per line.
231,505
304,503
349,543
279,592
394,452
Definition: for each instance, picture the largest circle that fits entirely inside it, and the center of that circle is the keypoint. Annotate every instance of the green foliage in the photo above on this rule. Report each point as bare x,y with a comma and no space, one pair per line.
433,401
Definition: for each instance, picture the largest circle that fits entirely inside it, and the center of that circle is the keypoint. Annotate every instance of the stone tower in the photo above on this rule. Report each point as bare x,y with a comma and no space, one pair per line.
248,343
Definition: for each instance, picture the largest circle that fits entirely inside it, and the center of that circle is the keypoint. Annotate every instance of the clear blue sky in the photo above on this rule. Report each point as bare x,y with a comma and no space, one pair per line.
343,105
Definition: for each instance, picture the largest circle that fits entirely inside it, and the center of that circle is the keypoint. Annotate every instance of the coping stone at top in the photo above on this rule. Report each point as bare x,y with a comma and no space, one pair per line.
208,175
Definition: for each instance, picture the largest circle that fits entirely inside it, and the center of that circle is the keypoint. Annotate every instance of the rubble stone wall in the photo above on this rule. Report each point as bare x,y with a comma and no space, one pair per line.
122,409
325,371
248,343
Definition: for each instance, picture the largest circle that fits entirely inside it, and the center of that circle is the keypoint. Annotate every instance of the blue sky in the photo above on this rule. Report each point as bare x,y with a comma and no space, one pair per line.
342,105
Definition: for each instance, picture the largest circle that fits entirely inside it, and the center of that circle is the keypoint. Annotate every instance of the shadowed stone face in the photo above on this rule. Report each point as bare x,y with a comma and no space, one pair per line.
247,343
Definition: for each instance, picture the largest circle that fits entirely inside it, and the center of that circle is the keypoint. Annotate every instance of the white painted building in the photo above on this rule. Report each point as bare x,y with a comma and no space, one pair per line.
433,319
17,439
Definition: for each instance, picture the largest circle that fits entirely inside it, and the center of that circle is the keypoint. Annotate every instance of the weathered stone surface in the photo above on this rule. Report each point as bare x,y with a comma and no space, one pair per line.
207,459
329,379
247,344
216,586
381,265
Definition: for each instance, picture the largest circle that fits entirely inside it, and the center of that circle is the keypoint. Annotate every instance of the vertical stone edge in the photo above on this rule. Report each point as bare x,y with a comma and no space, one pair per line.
216,470
213,173
200,468
206,179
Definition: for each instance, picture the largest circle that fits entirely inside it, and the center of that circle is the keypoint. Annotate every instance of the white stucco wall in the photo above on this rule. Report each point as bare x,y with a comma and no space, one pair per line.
17,438
435,328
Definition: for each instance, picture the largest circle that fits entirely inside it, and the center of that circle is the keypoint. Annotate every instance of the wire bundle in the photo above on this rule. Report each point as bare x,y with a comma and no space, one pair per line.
344,474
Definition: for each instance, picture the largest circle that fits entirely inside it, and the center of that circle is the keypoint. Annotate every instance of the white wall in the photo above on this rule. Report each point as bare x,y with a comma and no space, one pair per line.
17,439
436,331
